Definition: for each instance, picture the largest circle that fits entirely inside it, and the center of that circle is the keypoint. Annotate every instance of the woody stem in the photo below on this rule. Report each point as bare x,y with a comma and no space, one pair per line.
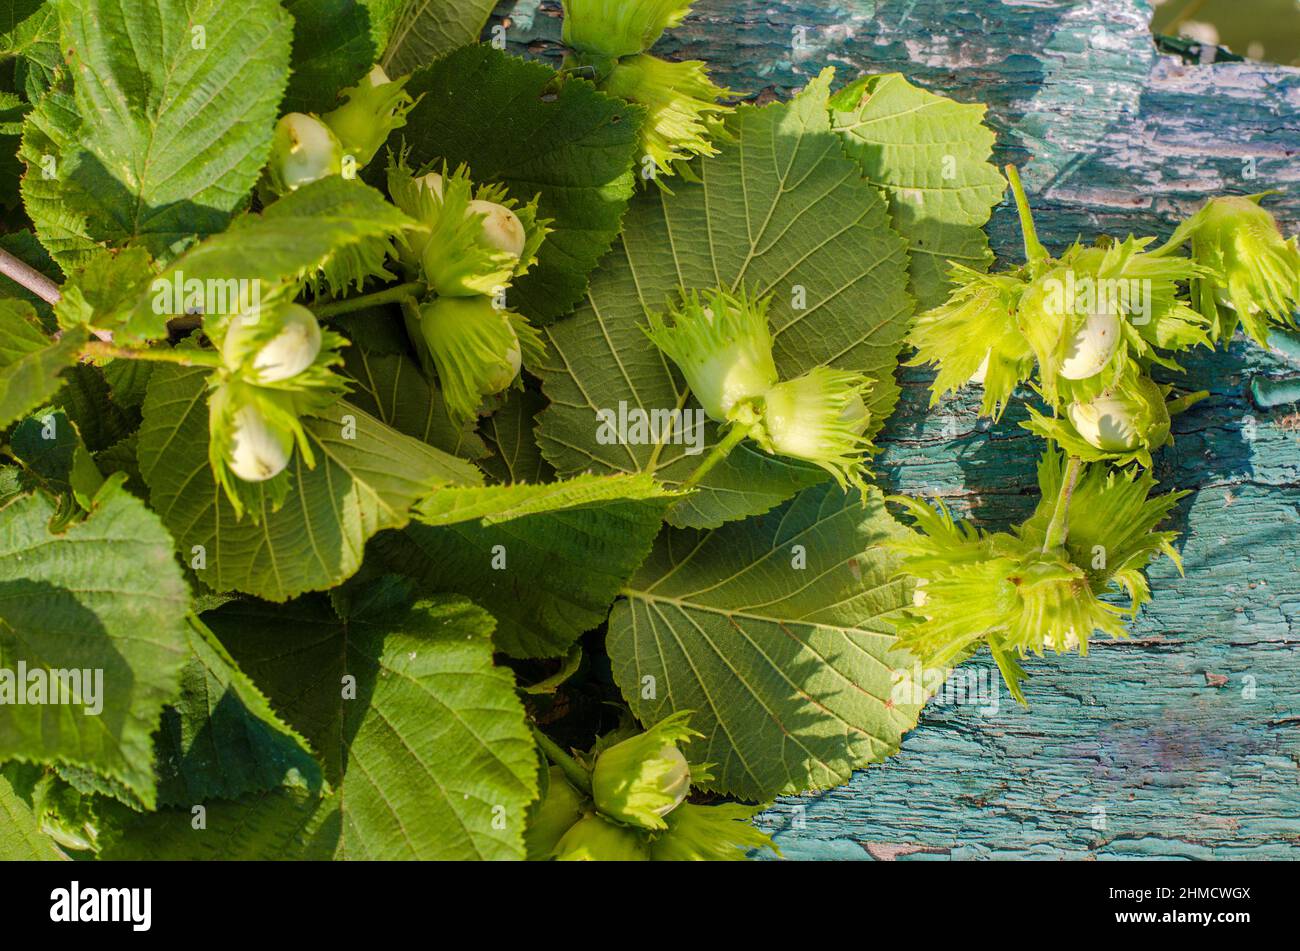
22,273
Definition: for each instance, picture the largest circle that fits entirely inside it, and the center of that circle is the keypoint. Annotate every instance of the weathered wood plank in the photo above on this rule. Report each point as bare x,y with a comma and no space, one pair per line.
1184,742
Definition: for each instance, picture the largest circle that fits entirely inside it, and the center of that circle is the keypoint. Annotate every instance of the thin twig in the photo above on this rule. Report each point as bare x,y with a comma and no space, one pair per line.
30,278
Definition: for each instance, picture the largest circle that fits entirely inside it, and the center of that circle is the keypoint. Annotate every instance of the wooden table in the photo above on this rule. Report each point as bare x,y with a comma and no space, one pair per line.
1183,742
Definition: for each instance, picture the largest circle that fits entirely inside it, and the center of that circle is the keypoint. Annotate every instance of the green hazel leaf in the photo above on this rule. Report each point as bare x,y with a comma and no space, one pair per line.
31,363
11,484
931,156
104,288
333,47
25,246
390,387
32,34
496,504
107,595
167,128
430,749
21,839
550,558
776,632
423,30
360,486
13,109
508,433
383,16
13,13
45,443
128,381
51,449
87,398
65,813
289,242
515,124
267,826
780,210
89,784
122,457
221,739
379,329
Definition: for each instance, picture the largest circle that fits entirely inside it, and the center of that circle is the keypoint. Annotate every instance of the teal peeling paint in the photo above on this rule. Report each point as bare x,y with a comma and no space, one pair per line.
1186,739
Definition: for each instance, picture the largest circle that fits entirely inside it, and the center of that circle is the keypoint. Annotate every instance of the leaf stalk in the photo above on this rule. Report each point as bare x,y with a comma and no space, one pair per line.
572,769
391,295
1035,253
102,350
1059,527
734,438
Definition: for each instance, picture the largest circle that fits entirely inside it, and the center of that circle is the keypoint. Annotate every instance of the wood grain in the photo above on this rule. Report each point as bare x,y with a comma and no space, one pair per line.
1183,742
